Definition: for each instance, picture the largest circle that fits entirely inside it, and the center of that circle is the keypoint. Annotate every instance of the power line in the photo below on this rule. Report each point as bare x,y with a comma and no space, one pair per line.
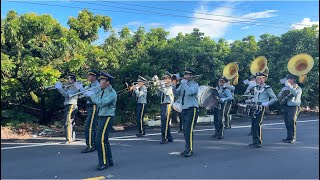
151,13
290,14
270,21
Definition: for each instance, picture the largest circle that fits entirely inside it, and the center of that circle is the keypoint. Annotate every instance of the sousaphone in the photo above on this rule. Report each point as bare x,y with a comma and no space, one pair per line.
230,71
300,65
260,65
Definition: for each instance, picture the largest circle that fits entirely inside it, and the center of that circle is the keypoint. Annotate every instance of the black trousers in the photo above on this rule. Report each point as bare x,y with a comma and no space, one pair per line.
102,139
190,117
165,121
227,119
256,126
70,112
140,111
219,115
290,115
91,125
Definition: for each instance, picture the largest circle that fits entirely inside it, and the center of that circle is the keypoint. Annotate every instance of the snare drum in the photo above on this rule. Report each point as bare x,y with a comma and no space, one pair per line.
177,107
242,109
207,97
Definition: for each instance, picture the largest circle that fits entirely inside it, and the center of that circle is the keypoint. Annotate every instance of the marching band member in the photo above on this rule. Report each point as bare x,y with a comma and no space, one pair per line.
291,107
221,113
227,118
92,113
140,92
106,102
250,91
166,94
71,107
188,91
265,97
176,114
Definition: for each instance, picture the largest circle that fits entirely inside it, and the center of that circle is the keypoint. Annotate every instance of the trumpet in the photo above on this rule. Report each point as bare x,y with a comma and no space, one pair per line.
82,92
65,85
193,77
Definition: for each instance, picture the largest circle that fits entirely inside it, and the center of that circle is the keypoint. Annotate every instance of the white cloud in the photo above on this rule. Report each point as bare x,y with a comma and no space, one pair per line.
260,15
218,28
214,29
306,22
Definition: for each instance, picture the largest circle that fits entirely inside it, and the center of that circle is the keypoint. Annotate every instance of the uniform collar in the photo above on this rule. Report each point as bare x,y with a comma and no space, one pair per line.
107,88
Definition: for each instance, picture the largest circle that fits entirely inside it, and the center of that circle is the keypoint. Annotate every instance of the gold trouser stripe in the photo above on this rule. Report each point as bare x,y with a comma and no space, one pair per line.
223,111
69,123
102,141
294,122
141,127
262,115
167,120
90,128
191,130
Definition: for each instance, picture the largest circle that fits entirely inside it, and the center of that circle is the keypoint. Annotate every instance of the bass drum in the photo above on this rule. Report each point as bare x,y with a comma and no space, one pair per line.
207,97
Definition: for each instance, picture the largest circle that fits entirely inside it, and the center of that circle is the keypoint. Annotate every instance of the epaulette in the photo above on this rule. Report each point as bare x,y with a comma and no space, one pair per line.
267,86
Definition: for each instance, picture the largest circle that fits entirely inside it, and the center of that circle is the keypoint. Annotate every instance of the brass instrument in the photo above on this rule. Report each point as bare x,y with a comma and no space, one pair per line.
259,64
65,85
82,92
230,71
192,77
300,65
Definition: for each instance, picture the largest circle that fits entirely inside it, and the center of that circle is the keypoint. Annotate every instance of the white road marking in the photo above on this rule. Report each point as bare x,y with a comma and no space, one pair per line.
154,134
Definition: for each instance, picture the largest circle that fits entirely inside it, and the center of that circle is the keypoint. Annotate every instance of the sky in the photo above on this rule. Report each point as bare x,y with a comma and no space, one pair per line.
231,20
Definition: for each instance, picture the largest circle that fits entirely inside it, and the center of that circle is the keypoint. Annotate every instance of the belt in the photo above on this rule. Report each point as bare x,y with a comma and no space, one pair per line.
90,105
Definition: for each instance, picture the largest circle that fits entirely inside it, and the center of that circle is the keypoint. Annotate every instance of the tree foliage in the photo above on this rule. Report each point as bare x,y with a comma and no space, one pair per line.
37,51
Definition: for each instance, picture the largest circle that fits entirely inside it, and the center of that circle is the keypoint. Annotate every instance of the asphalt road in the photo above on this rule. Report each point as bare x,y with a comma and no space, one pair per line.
142,158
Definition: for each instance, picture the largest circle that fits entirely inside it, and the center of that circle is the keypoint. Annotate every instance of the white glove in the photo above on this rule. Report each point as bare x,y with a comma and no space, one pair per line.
78,85
246,81
163,84
88,93
184,81
265,104
58,85
222,100
287,84
136,88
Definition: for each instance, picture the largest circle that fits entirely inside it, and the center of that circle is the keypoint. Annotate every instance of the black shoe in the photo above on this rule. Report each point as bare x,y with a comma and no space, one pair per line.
188,154
286,140
220,137
170,140
66,142
252,144
87,150
139,135
111,163
215,135
250,134
143,133
182,153
180,131
258,146
164,141
102,167
228,127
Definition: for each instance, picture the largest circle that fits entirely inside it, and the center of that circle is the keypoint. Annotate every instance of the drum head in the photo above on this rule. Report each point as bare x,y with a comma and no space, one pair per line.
209,98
